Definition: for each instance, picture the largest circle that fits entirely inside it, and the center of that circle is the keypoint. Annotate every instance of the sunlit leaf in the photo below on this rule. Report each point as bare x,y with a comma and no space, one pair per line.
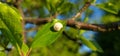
92,45
1,48
66,6
111,18
25,49
46,35
97,46
109,7
2,53
10,24
93,1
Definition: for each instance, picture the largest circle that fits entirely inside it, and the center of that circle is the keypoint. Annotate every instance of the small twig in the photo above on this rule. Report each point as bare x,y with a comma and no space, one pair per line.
38,21
87,4
80,25
54,16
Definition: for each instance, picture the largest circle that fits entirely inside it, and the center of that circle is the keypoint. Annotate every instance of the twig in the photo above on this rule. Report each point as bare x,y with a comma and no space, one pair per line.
38,21
87,4
54,15
80,25
85,26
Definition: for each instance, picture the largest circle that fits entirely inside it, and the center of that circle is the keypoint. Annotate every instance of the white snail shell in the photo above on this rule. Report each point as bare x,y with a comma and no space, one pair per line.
58,26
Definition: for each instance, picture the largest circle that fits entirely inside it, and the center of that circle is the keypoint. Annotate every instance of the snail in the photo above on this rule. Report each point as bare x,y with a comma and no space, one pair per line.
58,26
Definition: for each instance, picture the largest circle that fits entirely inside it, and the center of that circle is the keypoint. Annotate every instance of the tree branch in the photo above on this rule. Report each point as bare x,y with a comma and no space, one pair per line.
80,25
87,4
38,21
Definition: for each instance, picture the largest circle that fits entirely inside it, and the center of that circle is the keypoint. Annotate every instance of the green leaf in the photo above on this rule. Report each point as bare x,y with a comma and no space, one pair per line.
90,44
10,24
1,48
109,7
46,35
52,5
66,6
96,45
25,49
93,1
72,32
2,54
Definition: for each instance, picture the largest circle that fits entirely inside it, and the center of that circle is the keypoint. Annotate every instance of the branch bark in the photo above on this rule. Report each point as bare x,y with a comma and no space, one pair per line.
80,25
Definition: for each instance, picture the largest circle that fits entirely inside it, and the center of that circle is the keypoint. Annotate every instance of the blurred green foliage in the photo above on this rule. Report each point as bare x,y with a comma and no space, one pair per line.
109,41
